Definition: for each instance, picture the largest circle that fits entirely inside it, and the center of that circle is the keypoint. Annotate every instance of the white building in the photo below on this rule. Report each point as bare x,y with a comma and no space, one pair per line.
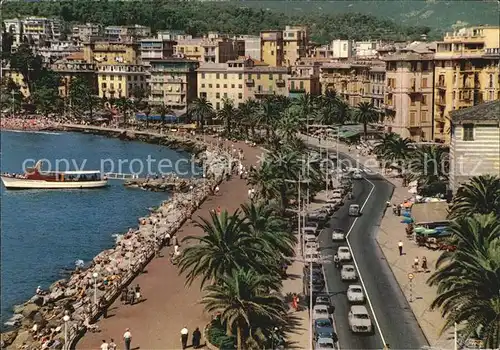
366,49
125,32
15,27
57,50
173,35
156,49
83,32
341,49
252,46
475,142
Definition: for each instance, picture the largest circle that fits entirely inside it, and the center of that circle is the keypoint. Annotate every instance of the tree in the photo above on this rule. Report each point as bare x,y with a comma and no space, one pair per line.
429,166
479,196
164,110
226,114
124,106
224,247
46,91
366,114
242,298
30,66
342,112
468,279
200,110
82,96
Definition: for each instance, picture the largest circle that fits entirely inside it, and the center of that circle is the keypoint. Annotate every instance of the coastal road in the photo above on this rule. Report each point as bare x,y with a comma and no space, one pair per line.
393,320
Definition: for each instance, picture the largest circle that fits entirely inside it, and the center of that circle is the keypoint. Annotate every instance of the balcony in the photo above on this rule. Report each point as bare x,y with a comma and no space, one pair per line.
156,92
389,89
440,84
280,82
249,82
174,80
440,101
264,92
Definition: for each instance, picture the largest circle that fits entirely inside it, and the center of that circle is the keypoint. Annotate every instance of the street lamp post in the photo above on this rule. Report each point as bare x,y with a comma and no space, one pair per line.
66,319
95,275
299,211
191,191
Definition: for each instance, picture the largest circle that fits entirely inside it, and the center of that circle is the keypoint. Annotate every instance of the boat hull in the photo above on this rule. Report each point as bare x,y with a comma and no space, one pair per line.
24,184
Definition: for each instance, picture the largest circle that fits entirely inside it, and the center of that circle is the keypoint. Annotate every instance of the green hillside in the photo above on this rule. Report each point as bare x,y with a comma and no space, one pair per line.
441,15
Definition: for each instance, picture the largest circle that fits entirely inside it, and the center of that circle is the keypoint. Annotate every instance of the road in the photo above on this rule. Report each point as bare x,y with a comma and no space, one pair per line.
394,322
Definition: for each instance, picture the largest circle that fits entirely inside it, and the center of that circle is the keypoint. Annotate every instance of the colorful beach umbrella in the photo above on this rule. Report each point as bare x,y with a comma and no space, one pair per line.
419,229
407,220
406,214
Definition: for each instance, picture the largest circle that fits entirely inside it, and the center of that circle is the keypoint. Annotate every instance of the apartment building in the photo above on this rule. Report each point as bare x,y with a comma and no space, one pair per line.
117,80
304,78
240,80
295,44
173,82
376,76
174,35
156,49
84,32
467,73
41,28
126,32
475,146
15,27
251,46
409,91
111,52
271,47
341,49
366,49
73,67
209,49
55,50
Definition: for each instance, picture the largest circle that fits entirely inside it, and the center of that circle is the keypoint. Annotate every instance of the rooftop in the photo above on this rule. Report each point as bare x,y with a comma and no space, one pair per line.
489,111
430,212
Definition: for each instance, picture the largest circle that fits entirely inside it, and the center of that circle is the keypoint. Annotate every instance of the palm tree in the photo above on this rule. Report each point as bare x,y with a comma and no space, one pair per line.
366,114
226,246
399,151
468,279
306,105
246,116
288,126
343,112
124,105
481,195
267,115
227,113
428,166
242,298
163,110
200,110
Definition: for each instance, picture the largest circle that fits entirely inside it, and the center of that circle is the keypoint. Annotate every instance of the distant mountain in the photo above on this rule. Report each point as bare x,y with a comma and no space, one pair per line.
439,15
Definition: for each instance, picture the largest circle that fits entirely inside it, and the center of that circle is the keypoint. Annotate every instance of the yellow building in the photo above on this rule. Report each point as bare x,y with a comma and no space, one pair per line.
295,41
72,67
109,52
210,49
271,47
467,72
173,82
240,80
119,80
304,78
18,79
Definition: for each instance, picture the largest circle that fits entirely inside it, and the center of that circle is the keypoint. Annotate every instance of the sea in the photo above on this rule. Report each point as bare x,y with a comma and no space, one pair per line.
45,232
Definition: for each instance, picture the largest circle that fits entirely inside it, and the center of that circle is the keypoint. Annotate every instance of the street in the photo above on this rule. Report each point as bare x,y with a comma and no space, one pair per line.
394,322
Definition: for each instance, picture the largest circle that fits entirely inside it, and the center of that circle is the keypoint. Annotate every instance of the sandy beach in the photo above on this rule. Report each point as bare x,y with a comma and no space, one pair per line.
41,318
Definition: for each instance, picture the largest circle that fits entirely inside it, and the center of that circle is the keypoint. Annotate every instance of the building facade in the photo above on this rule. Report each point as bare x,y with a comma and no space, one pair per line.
240,80
111,52
15,27
271,47
475,145
156,49
467,73
304,78
295,44
41,28
55,50
173,82
251,46
203,50
84,32
120,79
71,69
341,49
126,32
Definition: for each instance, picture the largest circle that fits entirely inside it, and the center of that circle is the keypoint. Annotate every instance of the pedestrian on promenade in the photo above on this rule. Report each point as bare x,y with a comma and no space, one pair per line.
217,189
416,263
184,337
112,344
167,238
127,338
104,345
424,264
196,338
400,247
123,298
218,210
174,240
104,307
131,294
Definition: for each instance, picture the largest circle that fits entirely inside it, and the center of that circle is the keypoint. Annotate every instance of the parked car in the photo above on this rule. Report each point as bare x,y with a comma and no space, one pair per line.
324,343
324,300
309,238
338,234
336,194
311,246
344,253
319,215
348,273
355,294
315,267
359,319
354,210
311,228
357,175
320,311
323,328
311,255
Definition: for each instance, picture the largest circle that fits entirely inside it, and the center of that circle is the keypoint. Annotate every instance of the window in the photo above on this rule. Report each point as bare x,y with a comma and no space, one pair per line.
203,95
225,76
202,75
240,76
423,116
424,100
249,76
468,132
103,85
217,95
424,82
210,86
202,85
112,77
217,105
240,95
232,86
301,84
258,75
225,95
271,77
412,118
240,86
217,76
217,86
412,99
225,86
272,53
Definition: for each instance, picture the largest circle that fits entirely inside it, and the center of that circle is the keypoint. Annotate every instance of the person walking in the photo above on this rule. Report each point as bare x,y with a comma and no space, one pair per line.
424,264
103,305
184,337
416,262
196,338
112,345
174,240
137,293
127,338
104,345
167,239
400,247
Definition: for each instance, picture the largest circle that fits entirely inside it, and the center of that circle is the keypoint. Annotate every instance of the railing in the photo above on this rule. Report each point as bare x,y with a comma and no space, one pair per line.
120,176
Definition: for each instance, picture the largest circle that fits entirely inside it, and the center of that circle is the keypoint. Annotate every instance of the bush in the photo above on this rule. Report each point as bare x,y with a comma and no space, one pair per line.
216,334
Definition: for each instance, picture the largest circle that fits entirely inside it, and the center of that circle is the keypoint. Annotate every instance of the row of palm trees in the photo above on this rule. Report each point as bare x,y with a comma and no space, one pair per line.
468,279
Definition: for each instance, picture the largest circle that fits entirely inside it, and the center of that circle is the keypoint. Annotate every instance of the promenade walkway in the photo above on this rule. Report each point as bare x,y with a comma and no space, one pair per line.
168,305
391,231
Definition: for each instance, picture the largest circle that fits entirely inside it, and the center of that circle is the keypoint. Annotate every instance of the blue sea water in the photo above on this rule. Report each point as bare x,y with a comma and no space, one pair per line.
43,232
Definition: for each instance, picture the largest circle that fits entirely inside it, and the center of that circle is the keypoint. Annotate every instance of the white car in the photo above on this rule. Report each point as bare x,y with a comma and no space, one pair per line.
355,294
344,254
320,311
311,250
324,343
312,246
354,210
348,273
338,235
359,319
309,238
336,194
356,175
311,255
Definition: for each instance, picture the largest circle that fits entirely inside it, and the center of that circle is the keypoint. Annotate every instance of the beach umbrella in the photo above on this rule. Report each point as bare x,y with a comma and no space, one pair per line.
429,231
419,229
406,214
407,220
412,190
407,204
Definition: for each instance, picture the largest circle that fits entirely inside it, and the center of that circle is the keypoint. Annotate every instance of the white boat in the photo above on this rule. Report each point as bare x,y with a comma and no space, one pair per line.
34,178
